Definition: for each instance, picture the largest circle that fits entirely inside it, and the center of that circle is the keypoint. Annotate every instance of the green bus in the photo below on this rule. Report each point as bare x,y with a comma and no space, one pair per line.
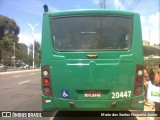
91,60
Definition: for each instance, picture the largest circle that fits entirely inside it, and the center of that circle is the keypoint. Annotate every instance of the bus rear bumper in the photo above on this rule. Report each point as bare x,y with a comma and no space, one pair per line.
133,103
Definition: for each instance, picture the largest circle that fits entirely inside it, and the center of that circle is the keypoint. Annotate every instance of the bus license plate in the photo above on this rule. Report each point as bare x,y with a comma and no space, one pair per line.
92,94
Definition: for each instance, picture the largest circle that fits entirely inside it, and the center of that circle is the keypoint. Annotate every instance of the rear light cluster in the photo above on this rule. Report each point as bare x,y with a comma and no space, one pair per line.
138,85
46,81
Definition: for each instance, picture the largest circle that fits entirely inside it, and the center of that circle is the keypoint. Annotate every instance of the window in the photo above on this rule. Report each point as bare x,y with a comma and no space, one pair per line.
88,33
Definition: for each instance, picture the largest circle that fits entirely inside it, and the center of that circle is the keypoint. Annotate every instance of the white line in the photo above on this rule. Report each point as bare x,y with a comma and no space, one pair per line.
23,82
17,76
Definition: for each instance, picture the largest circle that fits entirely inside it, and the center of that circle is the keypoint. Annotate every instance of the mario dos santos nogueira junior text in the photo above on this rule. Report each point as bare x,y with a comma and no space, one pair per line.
127,114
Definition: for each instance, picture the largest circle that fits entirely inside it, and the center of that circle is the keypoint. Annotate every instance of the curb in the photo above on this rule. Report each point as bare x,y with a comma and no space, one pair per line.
21,71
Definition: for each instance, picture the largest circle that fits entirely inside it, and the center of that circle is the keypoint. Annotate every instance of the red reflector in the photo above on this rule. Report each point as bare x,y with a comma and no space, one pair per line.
43,101
46,81
135,102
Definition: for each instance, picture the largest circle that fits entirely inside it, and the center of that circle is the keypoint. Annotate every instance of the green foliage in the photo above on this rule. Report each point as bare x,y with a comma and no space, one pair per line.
9,31
22,53
151,50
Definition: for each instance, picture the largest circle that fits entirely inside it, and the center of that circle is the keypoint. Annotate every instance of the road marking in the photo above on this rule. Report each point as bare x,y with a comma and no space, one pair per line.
17,76
23,82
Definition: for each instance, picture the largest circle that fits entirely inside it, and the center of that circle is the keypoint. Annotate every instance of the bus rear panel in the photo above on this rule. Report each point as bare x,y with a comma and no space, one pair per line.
92,60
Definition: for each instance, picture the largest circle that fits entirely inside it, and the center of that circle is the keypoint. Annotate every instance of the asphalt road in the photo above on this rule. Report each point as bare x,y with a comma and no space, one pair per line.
20,91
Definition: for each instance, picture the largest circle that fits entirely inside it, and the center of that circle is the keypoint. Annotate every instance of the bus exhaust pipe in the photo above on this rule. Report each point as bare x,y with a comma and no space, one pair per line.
72,105
114,104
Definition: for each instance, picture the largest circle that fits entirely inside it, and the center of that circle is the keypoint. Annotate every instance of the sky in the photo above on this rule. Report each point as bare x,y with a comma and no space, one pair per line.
26,12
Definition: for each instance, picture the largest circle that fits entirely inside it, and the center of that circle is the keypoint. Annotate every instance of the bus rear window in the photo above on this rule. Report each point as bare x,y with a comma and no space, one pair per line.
90,33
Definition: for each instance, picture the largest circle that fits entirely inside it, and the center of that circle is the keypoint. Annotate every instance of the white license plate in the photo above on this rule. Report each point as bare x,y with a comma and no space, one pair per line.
92,94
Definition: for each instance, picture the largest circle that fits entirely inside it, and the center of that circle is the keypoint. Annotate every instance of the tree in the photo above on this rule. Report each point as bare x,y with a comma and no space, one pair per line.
22,53
9,31
37,53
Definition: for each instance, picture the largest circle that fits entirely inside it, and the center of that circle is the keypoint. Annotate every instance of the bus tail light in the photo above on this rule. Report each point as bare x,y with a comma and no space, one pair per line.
46,81
138,85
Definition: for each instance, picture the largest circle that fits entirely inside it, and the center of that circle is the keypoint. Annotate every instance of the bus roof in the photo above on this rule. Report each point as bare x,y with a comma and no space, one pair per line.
89,11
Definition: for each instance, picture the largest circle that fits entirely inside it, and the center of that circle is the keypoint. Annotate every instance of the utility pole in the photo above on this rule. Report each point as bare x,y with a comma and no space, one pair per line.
28,50
33,33
103,4
14,54
149,36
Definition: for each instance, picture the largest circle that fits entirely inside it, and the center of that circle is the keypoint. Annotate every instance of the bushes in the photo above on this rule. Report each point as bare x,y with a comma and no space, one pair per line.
152,62
5,68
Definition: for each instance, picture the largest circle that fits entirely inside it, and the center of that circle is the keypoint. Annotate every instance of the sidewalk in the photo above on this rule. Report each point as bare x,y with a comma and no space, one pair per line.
13,69
149,108
17,70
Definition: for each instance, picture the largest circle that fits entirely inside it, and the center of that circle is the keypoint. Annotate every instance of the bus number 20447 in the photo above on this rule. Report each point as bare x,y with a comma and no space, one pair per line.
125,94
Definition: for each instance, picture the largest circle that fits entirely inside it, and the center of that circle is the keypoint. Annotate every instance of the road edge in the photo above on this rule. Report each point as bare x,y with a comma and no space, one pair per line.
21,71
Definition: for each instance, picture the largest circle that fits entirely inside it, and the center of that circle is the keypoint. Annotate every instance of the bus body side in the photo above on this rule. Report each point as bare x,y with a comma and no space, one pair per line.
90,79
